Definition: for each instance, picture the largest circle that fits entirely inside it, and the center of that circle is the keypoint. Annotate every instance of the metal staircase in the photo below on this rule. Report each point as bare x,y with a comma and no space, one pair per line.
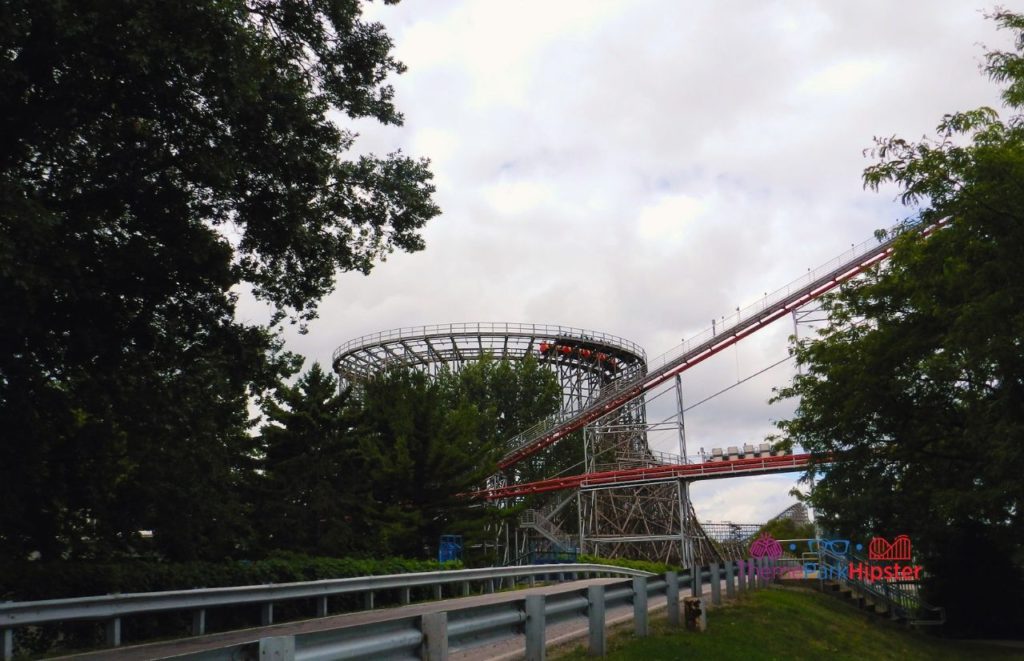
538,521
897,599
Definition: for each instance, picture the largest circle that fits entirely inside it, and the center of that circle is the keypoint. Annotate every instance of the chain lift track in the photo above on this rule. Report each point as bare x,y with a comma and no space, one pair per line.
711,470
736,327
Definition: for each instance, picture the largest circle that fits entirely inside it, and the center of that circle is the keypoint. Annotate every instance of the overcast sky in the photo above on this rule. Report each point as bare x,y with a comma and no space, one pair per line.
640,168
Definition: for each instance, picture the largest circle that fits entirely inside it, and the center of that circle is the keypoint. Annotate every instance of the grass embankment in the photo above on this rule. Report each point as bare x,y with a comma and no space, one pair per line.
789,623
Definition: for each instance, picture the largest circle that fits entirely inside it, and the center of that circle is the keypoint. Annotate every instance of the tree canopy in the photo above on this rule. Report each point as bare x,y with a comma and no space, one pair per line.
384,468
910,400
155,158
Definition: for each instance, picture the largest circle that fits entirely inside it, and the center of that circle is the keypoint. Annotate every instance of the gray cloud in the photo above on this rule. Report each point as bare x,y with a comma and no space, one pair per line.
642,167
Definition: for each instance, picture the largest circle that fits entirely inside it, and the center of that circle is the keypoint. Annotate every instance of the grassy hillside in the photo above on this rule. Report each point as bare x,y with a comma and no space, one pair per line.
791,623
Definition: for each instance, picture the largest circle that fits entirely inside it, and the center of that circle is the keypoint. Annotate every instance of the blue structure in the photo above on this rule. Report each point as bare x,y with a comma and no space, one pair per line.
450,548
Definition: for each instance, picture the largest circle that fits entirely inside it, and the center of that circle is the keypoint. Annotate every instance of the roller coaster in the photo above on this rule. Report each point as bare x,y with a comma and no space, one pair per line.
639,503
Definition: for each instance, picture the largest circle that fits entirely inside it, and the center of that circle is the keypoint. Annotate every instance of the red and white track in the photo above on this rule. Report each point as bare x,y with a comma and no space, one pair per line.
702,347
691,472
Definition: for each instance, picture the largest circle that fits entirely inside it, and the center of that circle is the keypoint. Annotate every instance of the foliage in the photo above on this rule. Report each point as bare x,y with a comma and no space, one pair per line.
516,396
642,565
155,158
910,399
385,467
315,475
423,455
29,581
786,528
431,441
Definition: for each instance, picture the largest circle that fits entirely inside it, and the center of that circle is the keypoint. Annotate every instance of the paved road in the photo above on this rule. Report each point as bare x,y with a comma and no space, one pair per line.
195,644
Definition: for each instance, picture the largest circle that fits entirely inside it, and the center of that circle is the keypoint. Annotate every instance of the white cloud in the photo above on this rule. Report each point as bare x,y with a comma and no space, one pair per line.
514,198
845,77
666,220
643,167
741,500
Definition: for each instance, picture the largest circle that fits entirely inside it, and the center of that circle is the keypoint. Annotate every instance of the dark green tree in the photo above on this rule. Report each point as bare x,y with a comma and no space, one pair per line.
315,480
910,401
426,454
155,157
786,528
516,395
434,440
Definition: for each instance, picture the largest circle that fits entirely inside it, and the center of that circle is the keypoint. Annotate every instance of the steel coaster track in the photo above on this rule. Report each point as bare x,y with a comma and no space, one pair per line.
739,325
710,470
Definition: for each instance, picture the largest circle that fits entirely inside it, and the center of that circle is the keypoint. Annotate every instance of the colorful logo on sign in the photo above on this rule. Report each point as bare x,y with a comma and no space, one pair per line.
881,549
766,546
883,557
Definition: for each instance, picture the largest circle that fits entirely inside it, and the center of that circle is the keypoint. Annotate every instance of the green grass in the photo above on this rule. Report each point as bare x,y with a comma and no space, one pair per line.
790,623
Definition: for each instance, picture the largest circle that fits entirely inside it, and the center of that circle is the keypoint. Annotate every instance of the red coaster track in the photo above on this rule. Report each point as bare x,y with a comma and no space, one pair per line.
738,326
692,472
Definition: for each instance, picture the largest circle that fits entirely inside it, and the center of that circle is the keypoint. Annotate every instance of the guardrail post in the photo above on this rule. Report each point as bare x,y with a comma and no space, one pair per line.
533,580
405,596
696,584
321,606
435,636
640,606
489,586
113,630
730,579
672,598
267,614
465,588
535,627
716,584
595,613
199,622
741,577
277,648
368,600
7,645
438,594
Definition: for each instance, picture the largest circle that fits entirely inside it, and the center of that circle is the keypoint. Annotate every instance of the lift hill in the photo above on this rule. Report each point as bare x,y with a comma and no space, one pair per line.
735,327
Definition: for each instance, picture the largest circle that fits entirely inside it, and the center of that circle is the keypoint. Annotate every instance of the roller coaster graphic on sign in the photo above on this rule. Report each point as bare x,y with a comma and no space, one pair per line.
881,549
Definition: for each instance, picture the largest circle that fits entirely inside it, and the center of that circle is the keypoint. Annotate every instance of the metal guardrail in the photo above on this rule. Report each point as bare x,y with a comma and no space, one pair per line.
422,636
111,608
433,635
